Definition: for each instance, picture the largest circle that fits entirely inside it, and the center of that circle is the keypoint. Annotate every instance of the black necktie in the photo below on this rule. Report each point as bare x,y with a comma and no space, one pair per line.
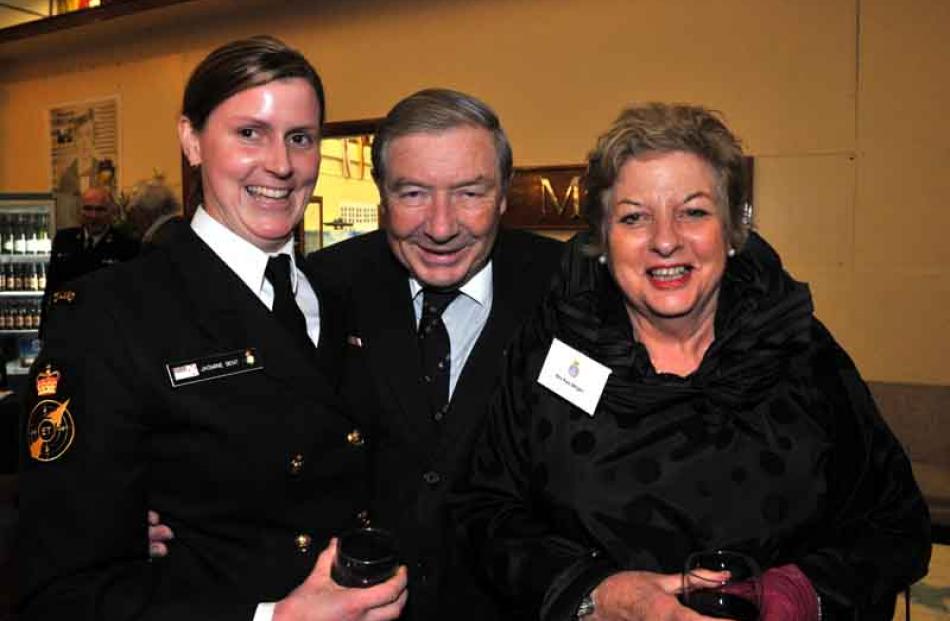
285,307
434,346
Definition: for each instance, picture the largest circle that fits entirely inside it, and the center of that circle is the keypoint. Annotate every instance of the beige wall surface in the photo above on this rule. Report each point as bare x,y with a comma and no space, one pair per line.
839,100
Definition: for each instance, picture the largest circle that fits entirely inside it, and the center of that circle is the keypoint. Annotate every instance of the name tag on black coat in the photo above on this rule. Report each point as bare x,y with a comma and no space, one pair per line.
213,367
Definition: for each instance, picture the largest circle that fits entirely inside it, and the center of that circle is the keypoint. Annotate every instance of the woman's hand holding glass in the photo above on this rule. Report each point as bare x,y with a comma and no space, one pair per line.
319,598
643,596
722,584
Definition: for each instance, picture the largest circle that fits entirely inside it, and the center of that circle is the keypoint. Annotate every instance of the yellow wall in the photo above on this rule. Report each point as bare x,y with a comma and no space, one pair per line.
841,101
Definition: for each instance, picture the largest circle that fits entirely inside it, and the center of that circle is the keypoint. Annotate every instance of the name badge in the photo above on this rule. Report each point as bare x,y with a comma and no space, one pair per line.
213,367
570,374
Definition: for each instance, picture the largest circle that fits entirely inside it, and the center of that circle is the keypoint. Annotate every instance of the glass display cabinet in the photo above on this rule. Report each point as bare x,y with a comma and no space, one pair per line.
26,226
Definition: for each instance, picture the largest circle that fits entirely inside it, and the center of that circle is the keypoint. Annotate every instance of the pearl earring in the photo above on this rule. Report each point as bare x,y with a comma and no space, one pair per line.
731,252
602,259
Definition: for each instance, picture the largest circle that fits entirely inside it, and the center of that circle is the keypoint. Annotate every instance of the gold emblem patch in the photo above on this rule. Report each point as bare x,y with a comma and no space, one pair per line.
64,297
47,381
51,430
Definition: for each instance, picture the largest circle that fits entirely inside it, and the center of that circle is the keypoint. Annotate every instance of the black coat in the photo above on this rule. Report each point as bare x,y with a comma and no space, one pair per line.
417,460
772,447
70,260
239,465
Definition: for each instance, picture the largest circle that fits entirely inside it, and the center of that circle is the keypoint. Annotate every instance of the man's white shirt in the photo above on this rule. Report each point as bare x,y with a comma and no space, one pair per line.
464,318
249,263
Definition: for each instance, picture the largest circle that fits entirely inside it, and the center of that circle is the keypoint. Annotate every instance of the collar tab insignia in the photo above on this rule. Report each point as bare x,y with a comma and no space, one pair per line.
65,296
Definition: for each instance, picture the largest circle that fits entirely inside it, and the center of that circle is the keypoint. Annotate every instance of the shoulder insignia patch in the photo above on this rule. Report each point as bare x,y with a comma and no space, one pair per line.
64,296
47,381
50,430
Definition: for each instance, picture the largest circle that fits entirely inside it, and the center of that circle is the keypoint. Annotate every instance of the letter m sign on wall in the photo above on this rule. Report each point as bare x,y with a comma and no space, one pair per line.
545,197
550,197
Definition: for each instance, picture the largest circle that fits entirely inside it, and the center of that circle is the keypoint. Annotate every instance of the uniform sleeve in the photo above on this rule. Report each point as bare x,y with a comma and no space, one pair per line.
879,540
53,280
542,573
82,543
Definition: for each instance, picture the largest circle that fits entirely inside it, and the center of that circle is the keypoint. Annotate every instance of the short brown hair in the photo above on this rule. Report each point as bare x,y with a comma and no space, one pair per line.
663,128
239,66
435,110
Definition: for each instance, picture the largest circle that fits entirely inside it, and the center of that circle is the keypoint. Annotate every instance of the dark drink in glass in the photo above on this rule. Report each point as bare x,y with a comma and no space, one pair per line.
364,557
722,584
722,605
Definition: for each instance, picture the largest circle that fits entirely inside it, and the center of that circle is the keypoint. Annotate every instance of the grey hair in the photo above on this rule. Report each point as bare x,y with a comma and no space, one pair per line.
664,128
436,110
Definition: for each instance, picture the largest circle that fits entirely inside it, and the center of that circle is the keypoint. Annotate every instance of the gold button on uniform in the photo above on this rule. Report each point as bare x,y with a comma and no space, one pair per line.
302,541
296,464
355,438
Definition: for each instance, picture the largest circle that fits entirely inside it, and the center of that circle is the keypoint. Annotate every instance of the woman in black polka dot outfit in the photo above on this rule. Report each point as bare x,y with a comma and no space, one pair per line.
730,418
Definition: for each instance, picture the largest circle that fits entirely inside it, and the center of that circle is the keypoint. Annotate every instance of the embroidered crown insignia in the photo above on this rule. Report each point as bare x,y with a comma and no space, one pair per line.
47,381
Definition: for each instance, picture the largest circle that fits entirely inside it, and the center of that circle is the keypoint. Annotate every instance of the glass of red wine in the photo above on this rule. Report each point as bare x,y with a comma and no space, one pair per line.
364,557
722,584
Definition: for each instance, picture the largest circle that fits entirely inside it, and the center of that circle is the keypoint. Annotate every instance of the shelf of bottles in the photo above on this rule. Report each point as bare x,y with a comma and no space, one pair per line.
24,259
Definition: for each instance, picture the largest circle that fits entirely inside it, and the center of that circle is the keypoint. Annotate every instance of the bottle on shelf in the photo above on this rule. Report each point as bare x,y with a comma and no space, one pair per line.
44,244
32,235
33,279
19,241
29,244
4,232
8,234
19,316
41,277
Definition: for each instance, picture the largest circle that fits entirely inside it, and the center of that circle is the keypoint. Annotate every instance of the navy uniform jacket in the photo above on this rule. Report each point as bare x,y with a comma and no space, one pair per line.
70,260
417,459
177,390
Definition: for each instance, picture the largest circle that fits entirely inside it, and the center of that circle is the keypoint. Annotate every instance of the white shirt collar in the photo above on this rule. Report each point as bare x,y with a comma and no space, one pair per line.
86,235
478,287
244,258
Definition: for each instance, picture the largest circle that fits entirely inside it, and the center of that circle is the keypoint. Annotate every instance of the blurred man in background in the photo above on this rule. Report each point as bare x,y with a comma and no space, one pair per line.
152,205
92,245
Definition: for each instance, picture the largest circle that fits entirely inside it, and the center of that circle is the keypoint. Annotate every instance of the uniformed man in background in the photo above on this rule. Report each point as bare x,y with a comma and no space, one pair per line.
96,243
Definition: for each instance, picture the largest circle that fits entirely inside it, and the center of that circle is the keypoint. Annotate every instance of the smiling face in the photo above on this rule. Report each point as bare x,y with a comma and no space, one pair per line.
442,203
96,211
259,153
665,236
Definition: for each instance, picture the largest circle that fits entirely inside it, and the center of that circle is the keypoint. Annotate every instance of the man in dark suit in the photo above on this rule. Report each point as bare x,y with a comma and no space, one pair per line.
431,302
93,245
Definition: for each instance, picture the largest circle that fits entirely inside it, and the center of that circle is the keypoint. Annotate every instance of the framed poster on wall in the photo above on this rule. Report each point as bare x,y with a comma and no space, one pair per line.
84,152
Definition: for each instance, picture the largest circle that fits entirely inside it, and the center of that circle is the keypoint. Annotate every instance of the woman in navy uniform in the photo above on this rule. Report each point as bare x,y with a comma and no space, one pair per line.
195,381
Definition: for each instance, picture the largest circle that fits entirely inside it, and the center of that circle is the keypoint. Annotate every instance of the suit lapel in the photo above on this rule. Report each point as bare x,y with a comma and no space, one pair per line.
484,364
232,316
394,360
